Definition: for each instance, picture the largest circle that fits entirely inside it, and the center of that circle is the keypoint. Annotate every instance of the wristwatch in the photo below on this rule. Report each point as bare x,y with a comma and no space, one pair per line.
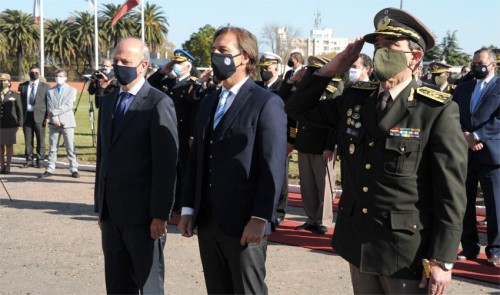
446,266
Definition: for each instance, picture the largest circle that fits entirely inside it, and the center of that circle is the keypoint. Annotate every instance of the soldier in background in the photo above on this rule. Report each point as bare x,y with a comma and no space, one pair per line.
176,81
11,118
440,75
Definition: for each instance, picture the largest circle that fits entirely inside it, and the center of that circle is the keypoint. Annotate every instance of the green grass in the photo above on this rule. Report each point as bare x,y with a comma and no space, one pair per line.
85,151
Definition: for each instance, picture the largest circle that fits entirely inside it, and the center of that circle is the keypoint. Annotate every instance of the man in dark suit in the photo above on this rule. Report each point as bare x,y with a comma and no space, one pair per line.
34,100
404,157
135,176
176,81
296,62
479,103
235,170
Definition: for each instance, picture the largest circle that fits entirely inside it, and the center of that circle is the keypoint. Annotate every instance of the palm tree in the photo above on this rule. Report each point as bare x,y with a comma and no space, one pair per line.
60,42
83,28
122,29
21,34
155,26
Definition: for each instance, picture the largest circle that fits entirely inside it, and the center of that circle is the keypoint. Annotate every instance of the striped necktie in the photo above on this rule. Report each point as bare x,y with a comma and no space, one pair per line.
221,106
476,95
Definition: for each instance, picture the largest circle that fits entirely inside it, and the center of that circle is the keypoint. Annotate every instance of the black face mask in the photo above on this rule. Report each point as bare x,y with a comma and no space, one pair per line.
223,65
266,75
290,63
125,74
480,71
34,76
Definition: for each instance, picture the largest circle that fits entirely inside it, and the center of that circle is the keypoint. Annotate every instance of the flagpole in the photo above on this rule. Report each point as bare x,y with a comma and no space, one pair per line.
42,42
142,20
96,37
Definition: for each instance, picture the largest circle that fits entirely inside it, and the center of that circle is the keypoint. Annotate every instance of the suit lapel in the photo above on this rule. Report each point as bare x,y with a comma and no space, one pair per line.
135,105
238,102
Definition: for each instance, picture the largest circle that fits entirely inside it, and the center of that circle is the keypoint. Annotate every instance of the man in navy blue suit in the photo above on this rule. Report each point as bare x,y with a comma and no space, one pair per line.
235,169
479,102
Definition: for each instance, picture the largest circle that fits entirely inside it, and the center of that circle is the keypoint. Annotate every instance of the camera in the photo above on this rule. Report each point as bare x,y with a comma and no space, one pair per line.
97,75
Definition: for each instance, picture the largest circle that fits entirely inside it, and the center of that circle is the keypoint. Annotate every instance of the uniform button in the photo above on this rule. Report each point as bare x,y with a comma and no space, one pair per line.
180,120
171,93
210,170
402,148
209,185
365,189
364,210
210,156
211,141
371,143
414,226
368,166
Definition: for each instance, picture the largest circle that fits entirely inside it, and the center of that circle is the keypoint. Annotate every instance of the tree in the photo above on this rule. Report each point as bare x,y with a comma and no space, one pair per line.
200,45
83,30
155,26
21,34
269,36
281,40
59,42
124,28
451,51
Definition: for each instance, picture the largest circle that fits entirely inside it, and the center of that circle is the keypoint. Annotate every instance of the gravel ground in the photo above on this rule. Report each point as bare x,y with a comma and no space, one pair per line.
50,244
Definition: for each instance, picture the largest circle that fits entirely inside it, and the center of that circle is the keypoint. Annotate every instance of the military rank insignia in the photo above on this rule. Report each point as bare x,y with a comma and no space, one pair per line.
405,132
433,94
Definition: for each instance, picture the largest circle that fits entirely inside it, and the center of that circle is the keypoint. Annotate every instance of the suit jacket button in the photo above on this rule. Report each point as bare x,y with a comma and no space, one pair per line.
211,141
365,189
209,185
364,210
210,156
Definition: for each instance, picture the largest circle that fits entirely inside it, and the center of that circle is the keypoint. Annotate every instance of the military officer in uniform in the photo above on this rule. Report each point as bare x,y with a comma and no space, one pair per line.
405,158
269,73
175,80
440,75
11,118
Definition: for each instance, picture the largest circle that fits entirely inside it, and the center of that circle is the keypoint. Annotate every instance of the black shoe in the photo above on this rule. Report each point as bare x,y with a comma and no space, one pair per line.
27,164
278,221
75,174
5,170
466,256
45,174
306,226
320,230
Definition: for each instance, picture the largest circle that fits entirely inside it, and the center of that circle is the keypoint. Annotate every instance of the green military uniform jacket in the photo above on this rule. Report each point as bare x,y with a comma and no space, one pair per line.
404,178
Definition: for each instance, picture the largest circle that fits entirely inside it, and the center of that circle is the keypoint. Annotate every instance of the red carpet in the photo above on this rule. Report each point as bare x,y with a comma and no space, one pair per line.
286,234
295,200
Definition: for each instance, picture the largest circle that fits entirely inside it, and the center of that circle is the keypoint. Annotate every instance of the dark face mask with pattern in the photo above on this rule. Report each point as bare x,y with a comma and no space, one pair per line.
223,65
480,71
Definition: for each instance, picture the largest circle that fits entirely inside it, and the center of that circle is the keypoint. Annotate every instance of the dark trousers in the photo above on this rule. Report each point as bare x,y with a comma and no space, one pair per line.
283,200
31,129
230,268
489,178
133,261
367,283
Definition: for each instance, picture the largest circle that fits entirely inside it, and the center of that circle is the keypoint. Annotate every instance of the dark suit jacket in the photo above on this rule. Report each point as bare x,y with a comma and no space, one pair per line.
246,157
40,107
403,178
136,164
11,114
485,120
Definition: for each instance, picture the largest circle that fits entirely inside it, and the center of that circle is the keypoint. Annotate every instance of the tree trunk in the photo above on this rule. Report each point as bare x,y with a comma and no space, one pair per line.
19,57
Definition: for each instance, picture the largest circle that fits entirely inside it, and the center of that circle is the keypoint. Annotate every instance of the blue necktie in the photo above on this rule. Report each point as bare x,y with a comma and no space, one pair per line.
59,90
121,108
221,106
476,95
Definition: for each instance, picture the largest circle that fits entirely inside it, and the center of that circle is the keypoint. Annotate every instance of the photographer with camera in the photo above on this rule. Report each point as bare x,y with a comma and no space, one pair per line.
102,81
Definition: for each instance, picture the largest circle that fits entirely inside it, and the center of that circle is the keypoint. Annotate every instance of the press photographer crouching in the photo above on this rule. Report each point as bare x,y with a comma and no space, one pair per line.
102,81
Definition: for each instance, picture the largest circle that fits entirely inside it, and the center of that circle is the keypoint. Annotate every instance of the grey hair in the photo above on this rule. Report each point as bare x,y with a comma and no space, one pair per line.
491,54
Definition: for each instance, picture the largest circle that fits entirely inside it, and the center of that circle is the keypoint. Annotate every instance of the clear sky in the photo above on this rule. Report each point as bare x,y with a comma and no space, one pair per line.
477,22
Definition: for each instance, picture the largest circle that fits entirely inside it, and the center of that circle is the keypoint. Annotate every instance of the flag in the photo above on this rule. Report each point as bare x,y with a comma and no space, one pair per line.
126,7
36,11
91,4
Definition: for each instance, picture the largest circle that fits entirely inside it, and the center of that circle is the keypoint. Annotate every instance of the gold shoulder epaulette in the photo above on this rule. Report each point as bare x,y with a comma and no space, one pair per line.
433,94
192,78
336,79
331,88
293,132
365,85
453,86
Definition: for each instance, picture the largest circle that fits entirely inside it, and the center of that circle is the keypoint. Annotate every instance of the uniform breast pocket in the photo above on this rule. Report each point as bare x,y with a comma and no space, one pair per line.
401,155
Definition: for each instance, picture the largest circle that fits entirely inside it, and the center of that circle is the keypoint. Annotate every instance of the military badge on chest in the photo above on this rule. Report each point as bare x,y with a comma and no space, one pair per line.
353,125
